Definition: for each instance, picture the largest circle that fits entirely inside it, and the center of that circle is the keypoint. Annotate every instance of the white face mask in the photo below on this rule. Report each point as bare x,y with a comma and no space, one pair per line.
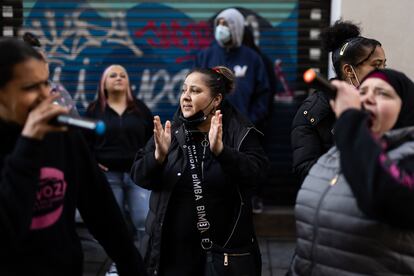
222,34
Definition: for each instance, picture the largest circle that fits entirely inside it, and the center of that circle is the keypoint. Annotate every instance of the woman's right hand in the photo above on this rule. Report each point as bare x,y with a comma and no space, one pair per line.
37,123
162,139
347,97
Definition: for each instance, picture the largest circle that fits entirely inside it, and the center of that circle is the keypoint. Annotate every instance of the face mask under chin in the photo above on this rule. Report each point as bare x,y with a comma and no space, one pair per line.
194,120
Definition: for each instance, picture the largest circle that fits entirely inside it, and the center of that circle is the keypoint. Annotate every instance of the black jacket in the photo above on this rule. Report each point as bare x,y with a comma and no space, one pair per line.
383,189
41,185
312,132
241,164
125,134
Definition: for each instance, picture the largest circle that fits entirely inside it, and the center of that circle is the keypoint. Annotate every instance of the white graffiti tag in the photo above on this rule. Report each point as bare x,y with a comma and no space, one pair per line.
78,31
64,39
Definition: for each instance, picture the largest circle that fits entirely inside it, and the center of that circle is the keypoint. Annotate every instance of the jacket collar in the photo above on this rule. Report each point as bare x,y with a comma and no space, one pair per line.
179,134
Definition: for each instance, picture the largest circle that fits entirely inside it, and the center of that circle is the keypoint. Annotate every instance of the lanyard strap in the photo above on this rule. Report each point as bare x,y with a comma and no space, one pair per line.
196,174
197,177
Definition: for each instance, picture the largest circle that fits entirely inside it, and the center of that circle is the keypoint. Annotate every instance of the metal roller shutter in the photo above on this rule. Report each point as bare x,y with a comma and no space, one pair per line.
156,43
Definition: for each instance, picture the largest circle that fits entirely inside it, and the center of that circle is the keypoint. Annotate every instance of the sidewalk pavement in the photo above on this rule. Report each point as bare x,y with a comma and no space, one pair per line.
276,255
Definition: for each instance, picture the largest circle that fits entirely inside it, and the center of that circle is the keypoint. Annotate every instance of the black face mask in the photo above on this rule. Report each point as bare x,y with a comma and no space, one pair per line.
196,119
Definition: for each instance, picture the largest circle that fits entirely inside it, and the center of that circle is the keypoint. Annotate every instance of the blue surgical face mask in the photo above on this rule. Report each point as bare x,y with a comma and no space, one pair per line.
222,34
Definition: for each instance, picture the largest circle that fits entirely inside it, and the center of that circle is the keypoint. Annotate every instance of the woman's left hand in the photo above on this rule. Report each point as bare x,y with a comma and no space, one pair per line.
215,135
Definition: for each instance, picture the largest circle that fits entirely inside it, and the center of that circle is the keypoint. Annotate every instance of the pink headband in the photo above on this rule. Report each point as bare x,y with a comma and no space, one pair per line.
378,75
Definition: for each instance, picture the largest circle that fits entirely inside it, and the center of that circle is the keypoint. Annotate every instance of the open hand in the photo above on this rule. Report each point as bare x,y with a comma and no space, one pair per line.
215,135
162,139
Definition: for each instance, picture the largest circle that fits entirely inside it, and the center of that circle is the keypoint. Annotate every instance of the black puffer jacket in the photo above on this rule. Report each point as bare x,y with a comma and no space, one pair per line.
312,132
241,164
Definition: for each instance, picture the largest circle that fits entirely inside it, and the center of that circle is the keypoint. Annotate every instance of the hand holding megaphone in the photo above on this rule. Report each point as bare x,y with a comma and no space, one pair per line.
343,95
315,80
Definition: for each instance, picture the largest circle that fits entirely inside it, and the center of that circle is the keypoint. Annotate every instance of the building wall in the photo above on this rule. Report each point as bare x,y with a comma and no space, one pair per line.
390,22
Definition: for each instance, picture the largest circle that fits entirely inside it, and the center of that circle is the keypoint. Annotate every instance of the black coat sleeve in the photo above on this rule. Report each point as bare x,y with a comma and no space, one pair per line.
102,215
306,143
146,171
309,140
19,180
379,194
307,148
248,164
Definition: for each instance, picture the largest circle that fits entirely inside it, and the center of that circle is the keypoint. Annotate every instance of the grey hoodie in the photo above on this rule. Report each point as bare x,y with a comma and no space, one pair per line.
236,25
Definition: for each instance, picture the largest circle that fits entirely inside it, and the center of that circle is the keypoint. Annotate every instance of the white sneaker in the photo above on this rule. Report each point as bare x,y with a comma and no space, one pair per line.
112,270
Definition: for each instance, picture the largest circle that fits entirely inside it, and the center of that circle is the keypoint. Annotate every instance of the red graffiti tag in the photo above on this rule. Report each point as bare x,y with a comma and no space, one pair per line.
185,36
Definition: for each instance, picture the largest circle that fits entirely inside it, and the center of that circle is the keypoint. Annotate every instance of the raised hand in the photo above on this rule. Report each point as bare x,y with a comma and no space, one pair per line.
37,123
215,135
162,139
347,97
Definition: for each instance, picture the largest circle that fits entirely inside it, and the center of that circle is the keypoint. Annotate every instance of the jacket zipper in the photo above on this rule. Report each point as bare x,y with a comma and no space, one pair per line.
202,161
332,183
226,255
241,199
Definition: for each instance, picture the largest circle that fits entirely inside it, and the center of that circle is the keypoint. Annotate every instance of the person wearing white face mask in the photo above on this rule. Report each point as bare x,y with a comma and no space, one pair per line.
353,57
222,34
251,94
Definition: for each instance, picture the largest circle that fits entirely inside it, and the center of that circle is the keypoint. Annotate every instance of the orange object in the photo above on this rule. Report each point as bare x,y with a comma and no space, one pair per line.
318,82
309,75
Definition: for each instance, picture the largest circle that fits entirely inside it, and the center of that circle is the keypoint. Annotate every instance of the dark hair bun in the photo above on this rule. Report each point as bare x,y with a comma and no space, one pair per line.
228,78
335,36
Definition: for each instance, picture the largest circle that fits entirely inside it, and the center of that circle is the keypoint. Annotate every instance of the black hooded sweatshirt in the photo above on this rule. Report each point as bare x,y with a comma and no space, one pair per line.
41,185
384,190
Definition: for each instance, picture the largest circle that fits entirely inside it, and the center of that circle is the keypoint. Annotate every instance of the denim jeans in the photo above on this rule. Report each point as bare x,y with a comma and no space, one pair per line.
132,200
